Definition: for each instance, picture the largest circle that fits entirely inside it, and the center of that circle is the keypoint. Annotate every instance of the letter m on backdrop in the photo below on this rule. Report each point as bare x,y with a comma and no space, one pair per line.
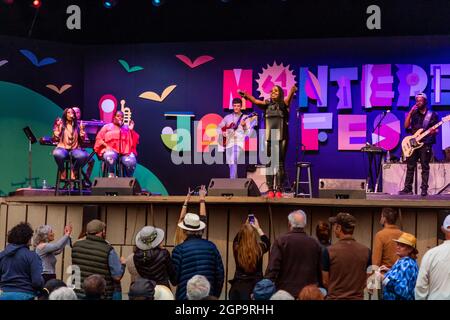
234,80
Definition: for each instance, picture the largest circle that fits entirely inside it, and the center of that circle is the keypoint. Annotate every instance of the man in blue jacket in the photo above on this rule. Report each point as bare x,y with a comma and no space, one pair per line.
20,268
197,256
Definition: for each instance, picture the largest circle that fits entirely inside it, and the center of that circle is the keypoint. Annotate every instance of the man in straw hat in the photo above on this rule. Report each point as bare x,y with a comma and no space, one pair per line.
433,282
94,255
400,280
196,256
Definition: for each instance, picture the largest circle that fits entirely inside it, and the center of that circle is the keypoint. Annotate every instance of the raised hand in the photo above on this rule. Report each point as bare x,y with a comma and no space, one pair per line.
202,192
68,230
131,125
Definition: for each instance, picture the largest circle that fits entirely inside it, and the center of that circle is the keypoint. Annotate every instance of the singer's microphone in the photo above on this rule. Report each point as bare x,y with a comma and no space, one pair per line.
241,93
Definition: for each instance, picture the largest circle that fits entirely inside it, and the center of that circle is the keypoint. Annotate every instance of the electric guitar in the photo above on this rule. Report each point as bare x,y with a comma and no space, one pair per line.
230,131
411,143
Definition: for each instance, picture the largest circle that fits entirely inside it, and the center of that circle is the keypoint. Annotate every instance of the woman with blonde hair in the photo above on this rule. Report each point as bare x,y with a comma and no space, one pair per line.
47,251
249,246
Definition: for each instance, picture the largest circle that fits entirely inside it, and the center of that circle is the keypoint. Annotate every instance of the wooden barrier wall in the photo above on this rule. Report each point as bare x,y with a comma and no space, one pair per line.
224,220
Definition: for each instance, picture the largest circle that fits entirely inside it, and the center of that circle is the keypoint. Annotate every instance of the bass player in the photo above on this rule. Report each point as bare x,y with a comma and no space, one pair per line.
420,117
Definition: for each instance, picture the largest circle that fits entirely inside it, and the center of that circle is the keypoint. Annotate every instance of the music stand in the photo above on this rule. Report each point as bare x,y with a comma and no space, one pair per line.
31,140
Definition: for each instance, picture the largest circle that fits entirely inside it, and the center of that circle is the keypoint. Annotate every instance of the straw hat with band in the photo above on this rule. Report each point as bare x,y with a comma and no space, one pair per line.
409,240
191,222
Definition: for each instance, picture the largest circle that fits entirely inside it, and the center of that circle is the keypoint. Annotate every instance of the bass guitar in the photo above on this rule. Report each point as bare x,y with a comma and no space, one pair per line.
411,143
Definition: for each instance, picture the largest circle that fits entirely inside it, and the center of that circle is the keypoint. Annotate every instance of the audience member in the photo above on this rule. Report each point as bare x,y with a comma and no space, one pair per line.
48,251
345,263
94,255
94,287
383,247
282,295
433,282
249,246
399,281
49,287
150,259
20,268
263,290
311,292
142,289
163,293
196,256
63,293
197,288
323,233
294,260
180,235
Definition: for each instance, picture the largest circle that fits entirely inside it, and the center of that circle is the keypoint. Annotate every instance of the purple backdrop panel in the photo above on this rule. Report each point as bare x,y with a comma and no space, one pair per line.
351,131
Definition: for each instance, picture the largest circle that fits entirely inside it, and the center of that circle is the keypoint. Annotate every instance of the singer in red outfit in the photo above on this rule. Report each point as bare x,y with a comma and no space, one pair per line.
117,141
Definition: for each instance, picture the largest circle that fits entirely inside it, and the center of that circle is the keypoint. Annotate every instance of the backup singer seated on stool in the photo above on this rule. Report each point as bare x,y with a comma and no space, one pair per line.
276,112
69,136
117,141
420,117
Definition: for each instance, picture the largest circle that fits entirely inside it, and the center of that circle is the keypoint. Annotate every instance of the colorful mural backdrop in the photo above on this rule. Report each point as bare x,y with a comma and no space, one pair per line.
350,92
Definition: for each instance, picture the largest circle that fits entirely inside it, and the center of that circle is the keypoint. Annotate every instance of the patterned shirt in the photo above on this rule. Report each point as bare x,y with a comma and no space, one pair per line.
400,281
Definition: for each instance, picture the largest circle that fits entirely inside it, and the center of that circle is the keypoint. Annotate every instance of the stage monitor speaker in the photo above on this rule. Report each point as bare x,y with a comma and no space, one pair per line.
115,187
342,188
233,187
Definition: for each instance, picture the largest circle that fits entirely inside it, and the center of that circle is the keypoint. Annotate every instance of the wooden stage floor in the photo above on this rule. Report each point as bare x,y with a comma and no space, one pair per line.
372,200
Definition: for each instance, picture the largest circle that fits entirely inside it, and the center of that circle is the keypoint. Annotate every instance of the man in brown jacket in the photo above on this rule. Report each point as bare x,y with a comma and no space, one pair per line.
383,246
295,257
345,263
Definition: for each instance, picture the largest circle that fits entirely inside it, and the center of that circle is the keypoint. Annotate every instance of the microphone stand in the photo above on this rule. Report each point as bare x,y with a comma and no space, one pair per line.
372,156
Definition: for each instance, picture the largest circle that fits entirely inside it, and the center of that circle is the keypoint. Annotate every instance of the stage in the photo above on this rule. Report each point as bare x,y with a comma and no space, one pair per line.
126,215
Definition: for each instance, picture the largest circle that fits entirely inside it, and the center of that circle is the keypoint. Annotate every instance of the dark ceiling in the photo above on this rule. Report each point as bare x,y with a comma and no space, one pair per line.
209,20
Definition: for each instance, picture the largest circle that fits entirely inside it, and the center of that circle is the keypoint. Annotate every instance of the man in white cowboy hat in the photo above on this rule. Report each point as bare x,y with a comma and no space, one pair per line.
196,256
433,281
150,260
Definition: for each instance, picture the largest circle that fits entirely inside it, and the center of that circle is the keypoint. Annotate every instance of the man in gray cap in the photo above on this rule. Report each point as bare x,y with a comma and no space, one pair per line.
345,263
433,281
94,255
420,117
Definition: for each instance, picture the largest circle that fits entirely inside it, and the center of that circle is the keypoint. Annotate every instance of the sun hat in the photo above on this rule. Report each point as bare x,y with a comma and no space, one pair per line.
149,237
191,222
408,239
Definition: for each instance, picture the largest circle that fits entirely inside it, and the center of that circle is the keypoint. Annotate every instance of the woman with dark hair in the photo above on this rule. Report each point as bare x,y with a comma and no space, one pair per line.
69,135
249,246
47,250
323,233
20,268
399,282
276,113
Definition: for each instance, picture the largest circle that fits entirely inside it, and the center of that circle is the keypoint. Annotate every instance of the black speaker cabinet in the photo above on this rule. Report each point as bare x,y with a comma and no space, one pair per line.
233,187
342,188
115,187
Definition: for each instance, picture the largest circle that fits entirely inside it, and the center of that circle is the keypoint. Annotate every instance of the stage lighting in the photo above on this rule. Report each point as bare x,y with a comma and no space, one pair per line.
157,3
36,3
108,4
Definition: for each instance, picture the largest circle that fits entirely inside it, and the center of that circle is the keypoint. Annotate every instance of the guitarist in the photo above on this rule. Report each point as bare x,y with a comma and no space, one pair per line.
234,128
420,117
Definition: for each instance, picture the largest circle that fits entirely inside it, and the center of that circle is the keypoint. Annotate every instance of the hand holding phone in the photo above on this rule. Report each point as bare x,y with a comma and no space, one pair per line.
251,218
